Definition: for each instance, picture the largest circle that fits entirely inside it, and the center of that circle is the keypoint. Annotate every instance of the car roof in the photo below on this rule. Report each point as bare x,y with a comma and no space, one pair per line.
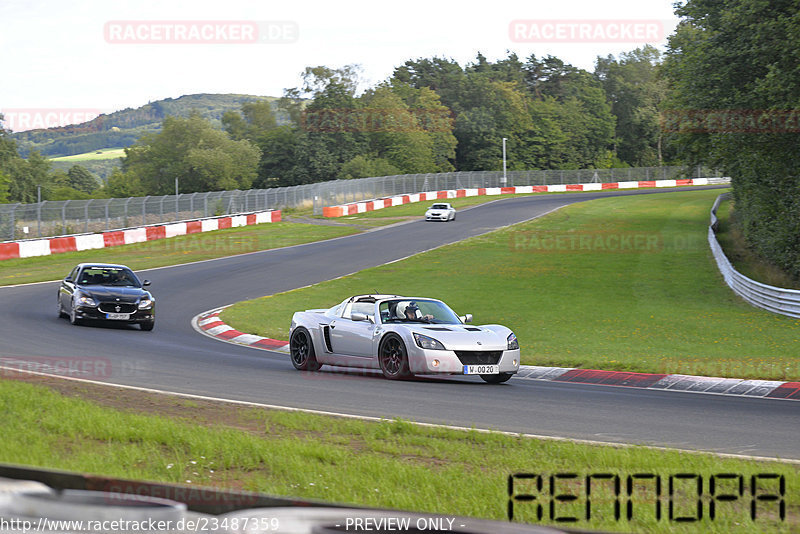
104,265
379,297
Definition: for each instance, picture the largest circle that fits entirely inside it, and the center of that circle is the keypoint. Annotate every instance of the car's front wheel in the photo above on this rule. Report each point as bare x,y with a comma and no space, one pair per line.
301,348
393,358
148,326
73,316
497,379
60,308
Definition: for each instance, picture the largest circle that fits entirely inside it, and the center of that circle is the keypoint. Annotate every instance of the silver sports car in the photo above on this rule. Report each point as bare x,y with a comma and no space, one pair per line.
402,336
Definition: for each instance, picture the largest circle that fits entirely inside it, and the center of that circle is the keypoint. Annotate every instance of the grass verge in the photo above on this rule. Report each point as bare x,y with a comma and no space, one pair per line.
391,464
624,283
172,251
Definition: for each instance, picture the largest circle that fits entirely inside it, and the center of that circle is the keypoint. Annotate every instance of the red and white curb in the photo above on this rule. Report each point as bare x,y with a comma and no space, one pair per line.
210,324
72,243
372,205
687,383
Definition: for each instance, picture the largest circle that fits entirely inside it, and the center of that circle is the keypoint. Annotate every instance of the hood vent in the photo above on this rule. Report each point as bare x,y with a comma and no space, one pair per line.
438,329
472,329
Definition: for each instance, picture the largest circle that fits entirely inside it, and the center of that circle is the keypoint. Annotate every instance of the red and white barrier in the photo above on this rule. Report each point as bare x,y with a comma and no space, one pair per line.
72,243
371,205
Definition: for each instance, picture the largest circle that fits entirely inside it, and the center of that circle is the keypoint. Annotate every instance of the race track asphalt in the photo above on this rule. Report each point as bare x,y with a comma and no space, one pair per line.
174,357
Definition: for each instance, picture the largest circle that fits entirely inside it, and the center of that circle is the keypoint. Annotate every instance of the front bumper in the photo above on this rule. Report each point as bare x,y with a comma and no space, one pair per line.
426,361
437,217
92,313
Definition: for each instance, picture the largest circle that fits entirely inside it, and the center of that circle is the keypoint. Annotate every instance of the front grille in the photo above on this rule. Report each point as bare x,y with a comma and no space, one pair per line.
111,307
479,357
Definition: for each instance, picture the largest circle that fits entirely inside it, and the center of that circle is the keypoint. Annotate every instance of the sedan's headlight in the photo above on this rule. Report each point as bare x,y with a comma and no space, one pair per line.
425,342
86,301
513,344
145,303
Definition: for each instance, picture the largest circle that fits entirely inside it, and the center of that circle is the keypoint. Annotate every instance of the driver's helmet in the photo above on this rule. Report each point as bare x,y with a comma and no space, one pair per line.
405,307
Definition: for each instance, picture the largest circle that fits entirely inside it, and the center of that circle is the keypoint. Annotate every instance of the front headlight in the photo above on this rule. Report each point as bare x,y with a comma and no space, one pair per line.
145,303
86,301
513,344
425,342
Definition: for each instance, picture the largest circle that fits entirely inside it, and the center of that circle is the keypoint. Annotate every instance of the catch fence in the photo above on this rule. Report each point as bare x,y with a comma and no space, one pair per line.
52,218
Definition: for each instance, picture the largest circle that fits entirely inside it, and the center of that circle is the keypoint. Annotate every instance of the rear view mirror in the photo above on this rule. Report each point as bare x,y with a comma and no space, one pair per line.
466,318
146,283
356,316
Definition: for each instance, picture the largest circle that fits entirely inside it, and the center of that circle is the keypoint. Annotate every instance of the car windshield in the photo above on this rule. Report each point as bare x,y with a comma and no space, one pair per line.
417,311
439,207
108,276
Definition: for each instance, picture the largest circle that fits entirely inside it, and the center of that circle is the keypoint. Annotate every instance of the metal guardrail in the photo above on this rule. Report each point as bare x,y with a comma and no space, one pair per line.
770,298
65,217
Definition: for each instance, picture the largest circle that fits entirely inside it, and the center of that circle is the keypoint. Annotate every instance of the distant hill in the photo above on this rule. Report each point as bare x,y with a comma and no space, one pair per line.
123,128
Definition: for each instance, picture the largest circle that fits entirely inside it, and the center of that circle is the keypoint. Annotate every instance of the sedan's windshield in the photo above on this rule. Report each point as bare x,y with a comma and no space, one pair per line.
439,207
417,311
108,276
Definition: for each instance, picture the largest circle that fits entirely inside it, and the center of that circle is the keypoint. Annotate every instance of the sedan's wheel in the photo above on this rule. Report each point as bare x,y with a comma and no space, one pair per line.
301,348
148,326
60,309
454,217
393,358
73,317
497,379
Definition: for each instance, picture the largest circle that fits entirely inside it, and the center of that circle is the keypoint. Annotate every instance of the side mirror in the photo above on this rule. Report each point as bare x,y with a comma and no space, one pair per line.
356,316
146,283
466,318
68,279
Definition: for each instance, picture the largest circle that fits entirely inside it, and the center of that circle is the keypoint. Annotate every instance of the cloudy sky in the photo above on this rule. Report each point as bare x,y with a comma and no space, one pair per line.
96,55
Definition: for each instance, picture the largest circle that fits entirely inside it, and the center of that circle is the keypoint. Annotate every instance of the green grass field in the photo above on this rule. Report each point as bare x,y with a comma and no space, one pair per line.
391,464
624,283
172,251
104,153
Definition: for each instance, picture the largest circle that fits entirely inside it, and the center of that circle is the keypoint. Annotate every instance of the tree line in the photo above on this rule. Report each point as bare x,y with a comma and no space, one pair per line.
431,115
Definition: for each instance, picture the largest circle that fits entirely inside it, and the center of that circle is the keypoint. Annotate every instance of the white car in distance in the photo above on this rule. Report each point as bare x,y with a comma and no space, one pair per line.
441,211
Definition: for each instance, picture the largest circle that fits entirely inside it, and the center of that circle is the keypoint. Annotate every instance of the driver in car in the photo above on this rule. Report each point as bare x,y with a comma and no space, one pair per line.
412,313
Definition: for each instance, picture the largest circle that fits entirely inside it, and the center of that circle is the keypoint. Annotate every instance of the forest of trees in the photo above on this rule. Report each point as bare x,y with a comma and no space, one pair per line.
734,64
431,115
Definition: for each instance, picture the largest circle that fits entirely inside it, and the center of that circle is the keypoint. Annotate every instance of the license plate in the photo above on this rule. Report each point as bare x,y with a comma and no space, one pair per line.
481,369
118,316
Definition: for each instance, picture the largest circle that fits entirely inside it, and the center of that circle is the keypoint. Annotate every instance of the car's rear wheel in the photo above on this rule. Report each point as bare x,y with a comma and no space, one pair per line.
497,379
148,326
301,348
73,316
393,358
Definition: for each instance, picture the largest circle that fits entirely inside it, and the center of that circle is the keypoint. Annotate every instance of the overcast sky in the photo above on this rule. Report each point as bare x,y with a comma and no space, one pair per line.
108,55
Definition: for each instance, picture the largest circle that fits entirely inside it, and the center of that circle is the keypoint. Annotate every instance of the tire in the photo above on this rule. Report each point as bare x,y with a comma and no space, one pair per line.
61,313
393,358
73,319
497,379
148,326
301,348
454,217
